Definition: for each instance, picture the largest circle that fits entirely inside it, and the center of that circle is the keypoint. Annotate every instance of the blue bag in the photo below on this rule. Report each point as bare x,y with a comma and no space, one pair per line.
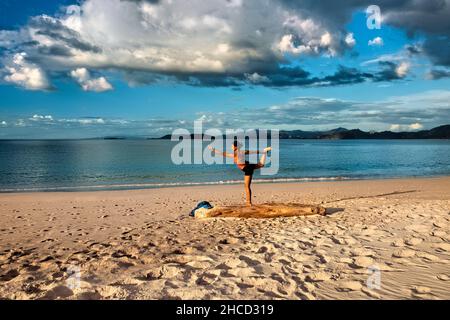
203,204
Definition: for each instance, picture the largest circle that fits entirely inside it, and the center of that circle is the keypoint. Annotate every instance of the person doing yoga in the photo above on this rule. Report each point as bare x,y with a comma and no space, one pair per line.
248,168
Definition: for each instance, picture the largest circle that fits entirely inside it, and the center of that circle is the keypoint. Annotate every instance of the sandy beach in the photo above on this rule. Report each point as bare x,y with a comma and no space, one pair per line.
381,239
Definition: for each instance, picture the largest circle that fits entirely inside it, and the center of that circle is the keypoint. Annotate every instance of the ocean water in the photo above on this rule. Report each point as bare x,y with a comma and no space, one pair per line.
74,165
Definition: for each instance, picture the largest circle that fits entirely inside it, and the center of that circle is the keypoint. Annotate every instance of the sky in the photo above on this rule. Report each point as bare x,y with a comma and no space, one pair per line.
94,68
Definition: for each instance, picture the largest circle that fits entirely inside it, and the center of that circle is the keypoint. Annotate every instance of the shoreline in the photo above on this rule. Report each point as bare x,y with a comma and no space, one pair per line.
141,244
130,187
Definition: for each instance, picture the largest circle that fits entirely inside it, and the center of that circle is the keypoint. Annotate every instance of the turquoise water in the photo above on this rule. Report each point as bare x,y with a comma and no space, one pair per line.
126,164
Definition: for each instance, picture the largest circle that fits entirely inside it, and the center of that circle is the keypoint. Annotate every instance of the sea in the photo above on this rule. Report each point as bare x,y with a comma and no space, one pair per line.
88,165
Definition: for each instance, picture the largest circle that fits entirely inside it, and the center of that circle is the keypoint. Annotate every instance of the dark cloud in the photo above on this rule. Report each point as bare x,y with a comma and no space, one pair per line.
55,50
430,16
413,49
436,74
279,78
345,75
388,72
438,49
55,30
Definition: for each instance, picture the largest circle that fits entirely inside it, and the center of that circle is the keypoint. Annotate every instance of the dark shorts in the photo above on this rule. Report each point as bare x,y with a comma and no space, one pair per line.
249,168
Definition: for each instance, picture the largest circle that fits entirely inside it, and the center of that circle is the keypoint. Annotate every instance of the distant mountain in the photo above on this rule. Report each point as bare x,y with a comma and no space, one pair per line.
299,134
441,132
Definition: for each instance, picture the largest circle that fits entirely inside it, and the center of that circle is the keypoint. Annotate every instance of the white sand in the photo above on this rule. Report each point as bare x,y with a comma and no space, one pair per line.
142,245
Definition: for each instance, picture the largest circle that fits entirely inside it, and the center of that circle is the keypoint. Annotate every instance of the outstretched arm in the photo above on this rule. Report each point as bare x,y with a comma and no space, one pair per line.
225,154
258,152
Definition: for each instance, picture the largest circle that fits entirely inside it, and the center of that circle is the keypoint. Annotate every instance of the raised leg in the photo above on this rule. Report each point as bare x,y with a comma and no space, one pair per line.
248,190
262,161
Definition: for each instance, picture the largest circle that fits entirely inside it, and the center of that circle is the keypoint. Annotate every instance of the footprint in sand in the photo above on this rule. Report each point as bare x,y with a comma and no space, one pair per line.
317,277
371,293
347,286
9,275
362,262
362,252
440,224
338,240
206,279
427,256
421,290
125,265
199,264
442,247
413,241
170,271
250,261
89,296
404,253
438,233
443,277
232,263
419,228
241,272
58,292
324,258
263,249
398,243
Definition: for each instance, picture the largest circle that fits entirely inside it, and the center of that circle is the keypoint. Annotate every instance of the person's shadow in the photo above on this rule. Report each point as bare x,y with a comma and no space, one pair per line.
330,211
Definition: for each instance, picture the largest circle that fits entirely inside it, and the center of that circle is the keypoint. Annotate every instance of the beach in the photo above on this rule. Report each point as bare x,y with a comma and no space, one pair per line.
380,239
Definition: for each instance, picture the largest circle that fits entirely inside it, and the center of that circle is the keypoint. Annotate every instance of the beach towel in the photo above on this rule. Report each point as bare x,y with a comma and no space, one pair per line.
201,208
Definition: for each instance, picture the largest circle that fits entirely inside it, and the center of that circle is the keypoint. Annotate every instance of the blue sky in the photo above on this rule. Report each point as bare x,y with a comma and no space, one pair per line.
74,69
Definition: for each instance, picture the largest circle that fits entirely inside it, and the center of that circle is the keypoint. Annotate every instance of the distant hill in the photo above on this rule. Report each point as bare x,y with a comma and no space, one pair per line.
299,134
441,132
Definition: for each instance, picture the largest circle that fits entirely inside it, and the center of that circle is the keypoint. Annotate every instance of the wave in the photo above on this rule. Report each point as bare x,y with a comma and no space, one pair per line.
171,184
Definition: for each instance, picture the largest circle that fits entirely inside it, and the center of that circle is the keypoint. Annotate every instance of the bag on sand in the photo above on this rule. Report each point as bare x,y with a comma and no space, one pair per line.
201,209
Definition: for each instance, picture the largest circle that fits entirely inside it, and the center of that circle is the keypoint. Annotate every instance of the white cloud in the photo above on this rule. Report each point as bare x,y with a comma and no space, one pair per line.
415,126
26,74
385,57
20,123
256,78
83,77
307,36
402,69
411,127
38,117
92,121
402,113
377,41
86,121
350,40
178,37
